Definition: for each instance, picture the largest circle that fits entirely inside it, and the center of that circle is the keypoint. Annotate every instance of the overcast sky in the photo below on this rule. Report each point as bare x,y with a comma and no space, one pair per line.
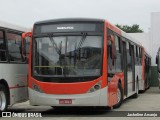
26,12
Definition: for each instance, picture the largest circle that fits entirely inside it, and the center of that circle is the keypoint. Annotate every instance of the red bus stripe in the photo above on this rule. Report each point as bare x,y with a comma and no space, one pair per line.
16,87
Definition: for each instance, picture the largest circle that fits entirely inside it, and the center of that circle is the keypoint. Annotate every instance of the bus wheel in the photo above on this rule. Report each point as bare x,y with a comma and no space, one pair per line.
3,98
137,90
119,96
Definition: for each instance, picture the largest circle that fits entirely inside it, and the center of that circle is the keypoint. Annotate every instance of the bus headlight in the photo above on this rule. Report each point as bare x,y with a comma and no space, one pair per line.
96,87
36,88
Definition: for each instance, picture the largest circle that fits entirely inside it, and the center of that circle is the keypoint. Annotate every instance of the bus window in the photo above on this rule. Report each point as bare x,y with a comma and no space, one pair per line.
140,52
118,64
119,42
136,51
130,49
14,47
116,43
128,56
2,47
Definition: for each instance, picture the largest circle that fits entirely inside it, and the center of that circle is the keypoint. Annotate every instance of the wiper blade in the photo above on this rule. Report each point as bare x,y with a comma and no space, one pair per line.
54,44
82,40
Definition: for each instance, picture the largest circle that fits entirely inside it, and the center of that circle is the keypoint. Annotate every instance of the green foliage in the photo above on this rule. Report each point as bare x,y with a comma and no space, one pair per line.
130,29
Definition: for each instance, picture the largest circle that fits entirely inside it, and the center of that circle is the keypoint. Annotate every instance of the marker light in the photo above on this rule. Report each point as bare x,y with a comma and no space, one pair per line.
36,88
96,87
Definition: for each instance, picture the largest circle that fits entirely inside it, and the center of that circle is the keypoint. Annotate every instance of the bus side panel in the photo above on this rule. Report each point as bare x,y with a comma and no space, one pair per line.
112,88
138,75
16,77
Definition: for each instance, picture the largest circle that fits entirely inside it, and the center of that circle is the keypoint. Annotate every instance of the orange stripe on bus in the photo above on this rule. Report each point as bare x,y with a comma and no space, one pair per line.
17,87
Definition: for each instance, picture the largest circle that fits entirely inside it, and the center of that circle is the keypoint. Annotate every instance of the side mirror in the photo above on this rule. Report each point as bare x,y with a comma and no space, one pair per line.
111,38
26,37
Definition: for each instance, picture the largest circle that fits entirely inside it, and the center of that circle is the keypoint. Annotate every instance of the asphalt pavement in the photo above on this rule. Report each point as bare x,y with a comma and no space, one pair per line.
147,103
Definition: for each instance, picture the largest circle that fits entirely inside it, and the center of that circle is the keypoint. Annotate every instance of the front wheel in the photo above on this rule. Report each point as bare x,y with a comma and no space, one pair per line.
3,98
119,96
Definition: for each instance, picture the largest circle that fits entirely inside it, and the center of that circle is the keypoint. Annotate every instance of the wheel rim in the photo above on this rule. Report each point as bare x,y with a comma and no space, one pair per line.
2,100
118,96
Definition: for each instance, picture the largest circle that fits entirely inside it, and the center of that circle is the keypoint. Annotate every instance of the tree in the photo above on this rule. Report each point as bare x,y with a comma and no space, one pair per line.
130,29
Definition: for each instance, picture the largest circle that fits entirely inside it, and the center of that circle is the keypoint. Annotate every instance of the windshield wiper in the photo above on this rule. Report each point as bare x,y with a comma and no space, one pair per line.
55,44
81,41
77,48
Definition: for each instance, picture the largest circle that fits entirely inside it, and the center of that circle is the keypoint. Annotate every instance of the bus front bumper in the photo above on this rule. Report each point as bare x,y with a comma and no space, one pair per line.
97,98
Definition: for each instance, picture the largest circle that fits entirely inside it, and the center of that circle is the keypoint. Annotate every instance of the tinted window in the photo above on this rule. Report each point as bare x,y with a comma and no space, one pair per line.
2,40
116,43
2,47
140,52
14,47
128,56
137,51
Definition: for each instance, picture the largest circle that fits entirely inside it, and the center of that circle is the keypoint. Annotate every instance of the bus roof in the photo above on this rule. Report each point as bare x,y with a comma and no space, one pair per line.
13,26
70,20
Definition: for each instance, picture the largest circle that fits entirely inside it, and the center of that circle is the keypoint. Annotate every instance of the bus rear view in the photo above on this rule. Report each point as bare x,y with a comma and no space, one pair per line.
67,63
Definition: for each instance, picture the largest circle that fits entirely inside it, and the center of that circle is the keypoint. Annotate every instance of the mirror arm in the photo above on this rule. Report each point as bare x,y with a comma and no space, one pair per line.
24,35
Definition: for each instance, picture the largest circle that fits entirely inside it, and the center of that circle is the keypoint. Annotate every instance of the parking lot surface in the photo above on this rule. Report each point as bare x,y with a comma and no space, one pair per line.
147,101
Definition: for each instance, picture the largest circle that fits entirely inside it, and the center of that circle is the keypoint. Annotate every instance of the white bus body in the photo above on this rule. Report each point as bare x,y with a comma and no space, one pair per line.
13,68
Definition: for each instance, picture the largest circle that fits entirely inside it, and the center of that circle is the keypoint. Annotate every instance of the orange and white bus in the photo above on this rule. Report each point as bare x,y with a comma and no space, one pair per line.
13,66
83,62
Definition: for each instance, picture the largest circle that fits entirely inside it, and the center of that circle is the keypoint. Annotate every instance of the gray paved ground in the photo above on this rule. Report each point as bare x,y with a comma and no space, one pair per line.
148,101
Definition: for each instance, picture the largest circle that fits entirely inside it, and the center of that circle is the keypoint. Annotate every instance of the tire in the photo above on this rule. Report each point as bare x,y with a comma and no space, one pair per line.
119,96
104,108
59,107
3,98
137,91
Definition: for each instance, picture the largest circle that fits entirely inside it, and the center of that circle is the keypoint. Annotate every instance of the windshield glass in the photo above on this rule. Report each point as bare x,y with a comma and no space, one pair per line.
67,56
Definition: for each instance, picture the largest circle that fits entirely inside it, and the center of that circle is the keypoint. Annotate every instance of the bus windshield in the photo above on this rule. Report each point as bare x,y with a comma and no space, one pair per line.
67,56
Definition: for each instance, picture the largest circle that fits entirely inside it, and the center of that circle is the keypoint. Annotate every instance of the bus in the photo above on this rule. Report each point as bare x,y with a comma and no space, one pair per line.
158,65
84,62
13,67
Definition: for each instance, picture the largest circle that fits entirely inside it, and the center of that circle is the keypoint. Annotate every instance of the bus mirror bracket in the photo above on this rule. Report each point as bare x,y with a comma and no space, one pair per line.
111,38
24,38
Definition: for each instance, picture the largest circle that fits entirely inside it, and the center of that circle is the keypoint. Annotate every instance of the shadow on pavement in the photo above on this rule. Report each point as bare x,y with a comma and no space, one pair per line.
66,112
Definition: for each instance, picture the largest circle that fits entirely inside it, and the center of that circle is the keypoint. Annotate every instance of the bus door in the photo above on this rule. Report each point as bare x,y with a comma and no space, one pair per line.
124,63
133,67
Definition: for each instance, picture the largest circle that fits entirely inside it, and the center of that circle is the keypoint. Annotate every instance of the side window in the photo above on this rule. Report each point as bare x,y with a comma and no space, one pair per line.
120,43
140,52
2,47
128,56
117,43
129,49
118,63
140,55
14,47
136,51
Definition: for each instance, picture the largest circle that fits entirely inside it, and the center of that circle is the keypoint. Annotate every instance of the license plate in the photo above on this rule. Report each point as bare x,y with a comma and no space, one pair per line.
65,101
